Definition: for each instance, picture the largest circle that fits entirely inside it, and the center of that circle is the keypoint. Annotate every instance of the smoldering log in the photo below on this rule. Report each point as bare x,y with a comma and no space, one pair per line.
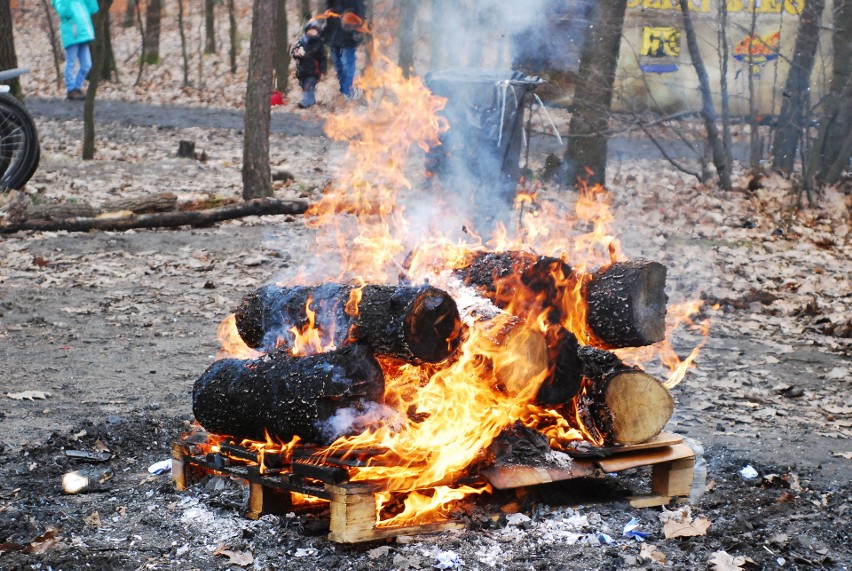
623,404
627,304
626,301
565,375
410,323
288,395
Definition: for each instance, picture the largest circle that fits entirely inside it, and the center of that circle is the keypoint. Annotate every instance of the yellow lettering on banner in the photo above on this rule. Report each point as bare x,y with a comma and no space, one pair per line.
736,6
660,42
794,6
634,3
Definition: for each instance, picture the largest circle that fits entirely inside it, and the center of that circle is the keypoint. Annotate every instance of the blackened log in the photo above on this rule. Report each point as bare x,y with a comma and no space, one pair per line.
411,323
565,375
627,304
620,404
288,396
626,301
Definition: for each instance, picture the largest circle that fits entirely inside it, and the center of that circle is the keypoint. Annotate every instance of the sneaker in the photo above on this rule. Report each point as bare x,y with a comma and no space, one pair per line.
76,95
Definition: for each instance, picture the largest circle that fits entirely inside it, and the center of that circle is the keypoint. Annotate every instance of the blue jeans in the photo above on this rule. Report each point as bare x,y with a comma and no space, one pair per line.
309,90
344,64
73,54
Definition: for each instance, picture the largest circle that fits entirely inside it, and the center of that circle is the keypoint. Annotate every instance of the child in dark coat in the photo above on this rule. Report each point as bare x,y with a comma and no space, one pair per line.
311,62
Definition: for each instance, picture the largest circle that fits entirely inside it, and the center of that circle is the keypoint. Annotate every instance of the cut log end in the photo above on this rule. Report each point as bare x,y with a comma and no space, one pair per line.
433,326
639,407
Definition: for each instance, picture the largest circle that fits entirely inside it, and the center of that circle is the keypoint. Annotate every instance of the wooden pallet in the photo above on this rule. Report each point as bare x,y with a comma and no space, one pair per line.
353,512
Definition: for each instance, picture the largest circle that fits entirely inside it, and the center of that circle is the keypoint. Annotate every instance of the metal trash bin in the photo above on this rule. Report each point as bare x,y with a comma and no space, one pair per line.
479,156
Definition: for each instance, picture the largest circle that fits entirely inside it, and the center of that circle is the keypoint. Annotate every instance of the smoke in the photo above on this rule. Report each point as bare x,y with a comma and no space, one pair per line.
357,419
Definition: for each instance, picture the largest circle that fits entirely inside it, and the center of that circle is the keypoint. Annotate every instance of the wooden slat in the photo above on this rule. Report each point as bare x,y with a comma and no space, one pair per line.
644,457
508,477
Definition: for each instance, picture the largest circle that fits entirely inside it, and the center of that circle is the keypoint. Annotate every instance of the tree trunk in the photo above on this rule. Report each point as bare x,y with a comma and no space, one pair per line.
98,49
407,17
210,26
55,43
622,405
129,14
585,152
282,49
708,112
232,35
153,16
8,57
831,152
257,179
305,13
288,396
183,49
408,323
795,109
109,71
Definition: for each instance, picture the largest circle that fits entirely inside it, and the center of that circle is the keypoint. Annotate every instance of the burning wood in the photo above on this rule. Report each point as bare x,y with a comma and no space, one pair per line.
621,404
408,323
625,302
317,397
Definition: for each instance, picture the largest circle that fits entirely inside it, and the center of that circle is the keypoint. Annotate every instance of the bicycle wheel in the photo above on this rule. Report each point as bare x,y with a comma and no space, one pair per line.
19,147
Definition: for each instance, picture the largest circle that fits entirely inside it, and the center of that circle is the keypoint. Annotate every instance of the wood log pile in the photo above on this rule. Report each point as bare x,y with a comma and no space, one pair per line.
363,327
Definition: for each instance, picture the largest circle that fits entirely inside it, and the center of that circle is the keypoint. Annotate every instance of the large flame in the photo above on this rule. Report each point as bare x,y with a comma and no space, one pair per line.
446,415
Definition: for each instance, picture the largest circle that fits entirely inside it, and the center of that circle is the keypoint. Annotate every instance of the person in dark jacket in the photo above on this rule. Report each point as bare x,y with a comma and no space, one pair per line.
77,30
311,62
343,34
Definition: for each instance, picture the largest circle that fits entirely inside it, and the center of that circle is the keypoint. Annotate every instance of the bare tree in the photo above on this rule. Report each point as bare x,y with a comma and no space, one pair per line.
109,72
586,147
282,49
232,35
257,180
210,26
795,109
129,14
153,16
183,50
833,145
304,11
98,53
708,112
55,43
8,57
407,16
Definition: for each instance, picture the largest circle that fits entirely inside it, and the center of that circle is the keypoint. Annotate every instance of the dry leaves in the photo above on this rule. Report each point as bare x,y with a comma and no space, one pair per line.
722,561
651,552
679,523
239,558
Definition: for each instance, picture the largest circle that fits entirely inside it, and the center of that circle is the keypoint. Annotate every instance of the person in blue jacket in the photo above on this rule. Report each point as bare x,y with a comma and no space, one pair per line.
75,25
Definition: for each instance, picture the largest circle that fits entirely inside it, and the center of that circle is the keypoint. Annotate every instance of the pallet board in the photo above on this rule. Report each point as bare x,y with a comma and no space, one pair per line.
352,505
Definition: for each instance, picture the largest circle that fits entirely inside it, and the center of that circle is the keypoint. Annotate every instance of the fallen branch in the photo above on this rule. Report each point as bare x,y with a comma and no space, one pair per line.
256,207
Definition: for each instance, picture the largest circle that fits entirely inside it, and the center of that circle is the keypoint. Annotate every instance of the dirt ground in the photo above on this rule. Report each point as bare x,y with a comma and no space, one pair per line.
102,335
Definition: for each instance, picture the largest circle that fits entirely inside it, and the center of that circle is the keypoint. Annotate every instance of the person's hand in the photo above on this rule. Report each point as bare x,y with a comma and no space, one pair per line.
299,52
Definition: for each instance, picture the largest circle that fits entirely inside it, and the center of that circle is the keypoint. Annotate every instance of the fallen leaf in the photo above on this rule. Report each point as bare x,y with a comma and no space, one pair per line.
28,395
847,455
378,552
94,520
239,558
721,561
651,552
43,542
686,528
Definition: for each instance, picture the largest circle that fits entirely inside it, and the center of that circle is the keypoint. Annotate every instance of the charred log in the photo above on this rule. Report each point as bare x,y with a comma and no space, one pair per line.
622,404
410,323
627,304
565,376
288,396
626,301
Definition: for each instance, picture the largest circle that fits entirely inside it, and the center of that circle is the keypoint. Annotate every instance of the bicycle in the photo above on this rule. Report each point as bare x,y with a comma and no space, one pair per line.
20,151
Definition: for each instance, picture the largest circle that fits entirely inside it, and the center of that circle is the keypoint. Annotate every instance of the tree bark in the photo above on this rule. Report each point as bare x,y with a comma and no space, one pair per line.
708,112
183,49
210,26
202,218
622,405
55,43
831,151
305,13
109,71
257,178
98,49
153,17
414,324
795,109
584,160
282,49
232,35
8,57
129,14
287,396
407,17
